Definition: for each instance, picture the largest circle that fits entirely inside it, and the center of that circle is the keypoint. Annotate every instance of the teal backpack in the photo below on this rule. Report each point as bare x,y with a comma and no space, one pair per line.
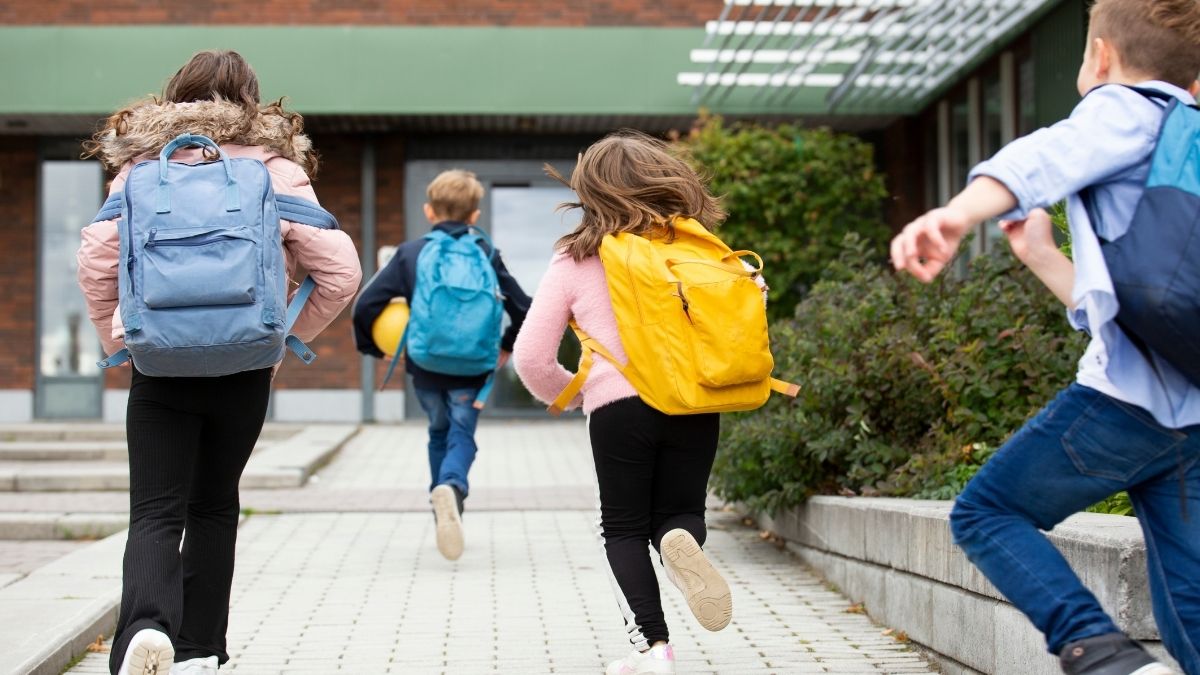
455,317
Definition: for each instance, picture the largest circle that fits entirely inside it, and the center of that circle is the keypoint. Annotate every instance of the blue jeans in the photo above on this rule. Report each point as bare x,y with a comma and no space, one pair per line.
1081,448
452,418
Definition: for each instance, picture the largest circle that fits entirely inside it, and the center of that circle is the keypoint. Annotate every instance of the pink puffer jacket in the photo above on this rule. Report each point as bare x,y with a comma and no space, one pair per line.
328,256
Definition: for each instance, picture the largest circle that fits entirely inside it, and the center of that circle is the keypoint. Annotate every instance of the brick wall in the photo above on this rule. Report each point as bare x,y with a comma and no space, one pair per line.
18,240
366,12
338,186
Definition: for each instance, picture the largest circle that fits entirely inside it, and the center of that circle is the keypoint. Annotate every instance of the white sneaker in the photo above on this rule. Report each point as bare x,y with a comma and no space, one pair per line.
198,666
660,659
705,590
150,653
449,522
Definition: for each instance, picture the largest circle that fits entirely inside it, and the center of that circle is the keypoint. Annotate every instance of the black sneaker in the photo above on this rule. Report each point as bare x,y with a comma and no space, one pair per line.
1112,654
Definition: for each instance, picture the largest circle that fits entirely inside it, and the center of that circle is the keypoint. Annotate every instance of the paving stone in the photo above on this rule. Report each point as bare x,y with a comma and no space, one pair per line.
347,578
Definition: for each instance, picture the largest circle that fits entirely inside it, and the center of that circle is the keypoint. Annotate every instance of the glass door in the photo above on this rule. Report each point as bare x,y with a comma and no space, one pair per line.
525,224
69,384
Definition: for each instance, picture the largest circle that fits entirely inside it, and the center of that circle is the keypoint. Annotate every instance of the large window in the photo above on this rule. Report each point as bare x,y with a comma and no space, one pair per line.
974,122
69,383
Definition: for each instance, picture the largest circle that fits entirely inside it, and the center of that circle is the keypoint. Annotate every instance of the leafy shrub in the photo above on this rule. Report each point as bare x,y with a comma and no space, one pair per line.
1117,505
791,194
907,388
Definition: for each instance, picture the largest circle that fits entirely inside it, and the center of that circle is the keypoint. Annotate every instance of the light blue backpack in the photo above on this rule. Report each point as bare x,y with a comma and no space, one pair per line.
202,277
454,324
454,321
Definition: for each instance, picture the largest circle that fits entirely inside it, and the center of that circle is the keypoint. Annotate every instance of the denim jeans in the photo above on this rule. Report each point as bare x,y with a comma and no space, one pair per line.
452,418
1081,448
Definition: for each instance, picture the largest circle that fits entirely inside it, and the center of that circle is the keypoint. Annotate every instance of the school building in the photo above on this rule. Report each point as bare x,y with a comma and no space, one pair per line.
394,91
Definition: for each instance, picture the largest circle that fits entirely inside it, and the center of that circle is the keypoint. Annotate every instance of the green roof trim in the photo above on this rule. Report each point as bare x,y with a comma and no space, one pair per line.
355,70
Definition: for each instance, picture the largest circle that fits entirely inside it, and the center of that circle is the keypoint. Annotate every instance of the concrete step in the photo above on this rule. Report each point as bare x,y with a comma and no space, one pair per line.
72,451
56,431
282,464
85,431
63,451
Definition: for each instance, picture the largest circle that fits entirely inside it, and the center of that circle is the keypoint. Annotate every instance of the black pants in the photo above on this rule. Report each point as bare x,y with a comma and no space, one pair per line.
189,439
653,472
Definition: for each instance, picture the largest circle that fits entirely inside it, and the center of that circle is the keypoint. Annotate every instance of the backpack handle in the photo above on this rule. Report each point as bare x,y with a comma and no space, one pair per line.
232,201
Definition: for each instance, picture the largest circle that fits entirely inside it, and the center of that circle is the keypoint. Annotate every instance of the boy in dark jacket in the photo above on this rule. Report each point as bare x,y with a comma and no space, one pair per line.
448,400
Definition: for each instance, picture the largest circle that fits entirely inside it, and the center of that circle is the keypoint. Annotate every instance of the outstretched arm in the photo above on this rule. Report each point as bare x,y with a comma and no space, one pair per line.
926,245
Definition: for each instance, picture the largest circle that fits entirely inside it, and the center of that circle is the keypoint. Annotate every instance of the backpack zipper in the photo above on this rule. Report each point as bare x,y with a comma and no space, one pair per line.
188,241
683,299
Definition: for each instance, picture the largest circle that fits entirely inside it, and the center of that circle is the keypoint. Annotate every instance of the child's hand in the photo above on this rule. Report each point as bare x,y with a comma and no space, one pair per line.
926,244
1032,237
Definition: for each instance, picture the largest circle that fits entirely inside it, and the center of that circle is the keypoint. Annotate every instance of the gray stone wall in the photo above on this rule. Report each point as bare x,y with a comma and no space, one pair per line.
896,556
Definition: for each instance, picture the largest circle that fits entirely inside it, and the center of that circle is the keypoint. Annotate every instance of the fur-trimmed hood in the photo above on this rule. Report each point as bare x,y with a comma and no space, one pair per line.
145,129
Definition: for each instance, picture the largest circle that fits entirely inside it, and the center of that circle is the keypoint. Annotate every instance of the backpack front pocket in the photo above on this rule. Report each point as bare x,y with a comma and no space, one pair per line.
190,268
728,328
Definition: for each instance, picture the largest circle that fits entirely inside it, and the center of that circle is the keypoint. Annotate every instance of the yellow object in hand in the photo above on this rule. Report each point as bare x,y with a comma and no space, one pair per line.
389,326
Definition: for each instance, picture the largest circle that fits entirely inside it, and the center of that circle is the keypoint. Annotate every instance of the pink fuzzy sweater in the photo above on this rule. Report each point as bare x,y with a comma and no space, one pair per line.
570,289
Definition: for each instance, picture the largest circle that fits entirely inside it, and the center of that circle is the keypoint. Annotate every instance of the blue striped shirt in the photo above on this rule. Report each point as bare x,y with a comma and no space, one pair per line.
1106,145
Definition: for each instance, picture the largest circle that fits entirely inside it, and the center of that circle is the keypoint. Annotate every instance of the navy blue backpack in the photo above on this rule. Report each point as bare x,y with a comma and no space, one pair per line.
202,278
1155,266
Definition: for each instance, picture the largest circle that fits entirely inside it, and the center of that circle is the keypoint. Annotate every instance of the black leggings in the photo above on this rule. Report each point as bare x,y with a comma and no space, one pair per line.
189,439
652,470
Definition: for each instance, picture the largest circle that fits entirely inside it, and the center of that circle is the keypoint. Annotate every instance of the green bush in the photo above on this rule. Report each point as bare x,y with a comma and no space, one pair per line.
791,194
907,388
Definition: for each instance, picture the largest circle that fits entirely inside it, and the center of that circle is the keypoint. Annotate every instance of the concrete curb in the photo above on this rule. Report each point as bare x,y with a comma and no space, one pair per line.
56,611
897,557
289,463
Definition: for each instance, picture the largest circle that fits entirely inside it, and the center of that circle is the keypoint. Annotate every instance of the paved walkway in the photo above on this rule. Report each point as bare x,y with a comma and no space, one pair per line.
348,589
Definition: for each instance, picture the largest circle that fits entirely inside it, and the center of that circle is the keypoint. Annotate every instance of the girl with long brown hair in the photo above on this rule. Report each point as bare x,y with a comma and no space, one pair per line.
652,468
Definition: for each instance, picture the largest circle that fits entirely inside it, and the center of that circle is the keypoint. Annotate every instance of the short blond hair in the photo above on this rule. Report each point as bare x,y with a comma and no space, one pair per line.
455,194
1156,38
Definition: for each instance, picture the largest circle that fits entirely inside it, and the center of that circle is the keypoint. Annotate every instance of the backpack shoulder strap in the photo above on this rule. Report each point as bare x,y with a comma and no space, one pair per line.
305,212
293,312
590,346
1153,93
111,208
480,235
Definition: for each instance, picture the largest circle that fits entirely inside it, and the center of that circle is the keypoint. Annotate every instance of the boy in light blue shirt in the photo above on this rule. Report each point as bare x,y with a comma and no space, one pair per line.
1131,421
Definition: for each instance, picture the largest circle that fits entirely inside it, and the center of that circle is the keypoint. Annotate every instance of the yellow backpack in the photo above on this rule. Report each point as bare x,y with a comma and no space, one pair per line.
692,320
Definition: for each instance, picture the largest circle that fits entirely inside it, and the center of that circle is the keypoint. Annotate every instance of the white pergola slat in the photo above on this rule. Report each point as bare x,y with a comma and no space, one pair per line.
866,53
